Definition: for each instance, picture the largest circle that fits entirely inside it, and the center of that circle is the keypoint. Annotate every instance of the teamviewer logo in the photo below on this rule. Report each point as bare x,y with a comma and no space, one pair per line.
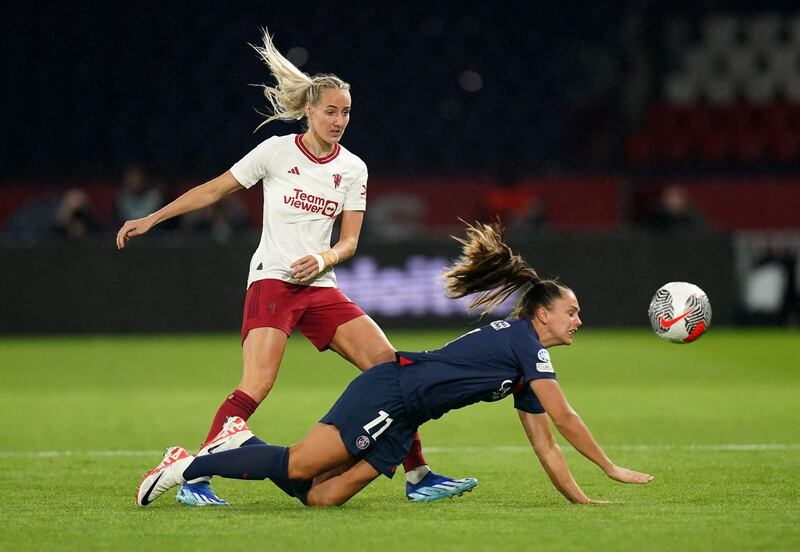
311,203
330,208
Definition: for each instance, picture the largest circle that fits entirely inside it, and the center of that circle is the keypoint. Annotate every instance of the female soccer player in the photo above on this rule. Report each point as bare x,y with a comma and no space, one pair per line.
309,180
369,429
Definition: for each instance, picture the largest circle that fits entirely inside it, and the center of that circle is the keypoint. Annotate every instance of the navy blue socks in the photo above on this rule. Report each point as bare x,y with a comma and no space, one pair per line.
295,488
255,461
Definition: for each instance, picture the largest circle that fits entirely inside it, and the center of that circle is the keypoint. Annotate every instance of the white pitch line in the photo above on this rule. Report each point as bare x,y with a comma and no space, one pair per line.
729,447
734,447
78,453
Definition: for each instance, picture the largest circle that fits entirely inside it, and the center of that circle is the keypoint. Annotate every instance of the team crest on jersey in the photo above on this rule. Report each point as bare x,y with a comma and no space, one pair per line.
543,355
337,179
362,442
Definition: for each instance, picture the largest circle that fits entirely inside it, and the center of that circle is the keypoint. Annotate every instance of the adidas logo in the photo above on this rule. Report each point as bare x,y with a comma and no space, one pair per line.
293,170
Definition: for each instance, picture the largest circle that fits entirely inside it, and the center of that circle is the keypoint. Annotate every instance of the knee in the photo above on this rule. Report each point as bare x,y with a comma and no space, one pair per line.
317,498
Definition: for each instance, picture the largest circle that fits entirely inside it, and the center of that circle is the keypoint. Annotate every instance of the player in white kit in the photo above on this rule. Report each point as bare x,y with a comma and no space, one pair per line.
308,180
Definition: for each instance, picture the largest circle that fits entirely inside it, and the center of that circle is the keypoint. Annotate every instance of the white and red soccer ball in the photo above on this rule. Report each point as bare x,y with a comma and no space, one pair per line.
680,312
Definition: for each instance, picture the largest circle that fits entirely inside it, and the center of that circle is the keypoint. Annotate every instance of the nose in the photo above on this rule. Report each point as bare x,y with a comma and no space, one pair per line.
578,321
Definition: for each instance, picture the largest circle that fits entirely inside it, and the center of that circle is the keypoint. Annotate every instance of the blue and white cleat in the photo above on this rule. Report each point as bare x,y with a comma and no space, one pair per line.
198,492
168,474
436,487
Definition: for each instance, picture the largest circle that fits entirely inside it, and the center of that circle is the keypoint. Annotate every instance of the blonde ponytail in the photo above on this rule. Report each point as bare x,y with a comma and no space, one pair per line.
287,99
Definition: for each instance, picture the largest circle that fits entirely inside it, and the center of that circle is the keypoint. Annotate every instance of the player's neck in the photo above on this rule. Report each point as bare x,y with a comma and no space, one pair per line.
316,145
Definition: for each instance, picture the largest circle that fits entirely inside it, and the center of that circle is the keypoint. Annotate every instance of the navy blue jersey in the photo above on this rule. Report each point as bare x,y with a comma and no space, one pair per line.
486,364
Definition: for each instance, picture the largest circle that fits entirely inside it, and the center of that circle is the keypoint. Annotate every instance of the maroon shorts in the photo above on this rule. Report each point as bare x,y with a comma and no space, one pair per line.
316,311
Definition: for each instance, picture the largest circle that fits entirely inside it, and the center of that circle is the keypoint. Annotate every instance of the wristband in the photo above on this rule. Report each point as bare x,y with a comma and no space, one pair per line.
320,261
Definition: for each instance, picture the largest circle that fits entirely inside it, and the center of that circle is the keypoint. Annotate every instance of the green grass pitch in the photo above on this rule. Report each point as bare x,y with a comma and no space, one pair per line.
717,422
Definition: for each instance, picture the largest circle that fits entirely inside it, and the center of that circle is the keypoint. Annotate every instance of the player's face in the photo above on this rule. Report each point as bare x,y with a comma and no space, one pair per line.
329,117
564,320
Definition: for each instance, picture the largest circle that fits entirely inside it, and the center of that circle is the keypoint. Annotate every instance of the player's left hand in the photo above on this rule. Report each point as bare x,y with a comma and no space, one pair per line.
305,269
624,475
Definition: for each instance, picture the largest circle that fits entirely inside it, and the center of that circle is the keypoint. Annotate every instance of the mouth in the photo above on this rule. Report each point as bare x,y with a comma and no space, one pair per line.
572,332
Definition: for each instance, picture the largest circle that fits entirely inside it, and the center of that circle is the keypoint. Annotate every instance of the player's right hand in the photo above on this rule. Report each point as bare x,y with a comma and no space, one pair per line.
305,269
624,475
133,228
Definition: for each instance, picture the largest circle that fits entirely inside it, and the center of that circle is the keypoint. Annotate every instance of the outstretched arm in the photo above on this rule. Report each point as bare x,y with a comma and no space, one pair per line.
570,425
197,198
537,428
307,268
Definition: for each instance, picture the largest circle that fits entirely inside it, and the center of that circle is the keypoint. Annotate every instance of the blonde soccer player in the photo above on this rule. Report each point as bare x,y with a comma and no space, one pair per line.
309,180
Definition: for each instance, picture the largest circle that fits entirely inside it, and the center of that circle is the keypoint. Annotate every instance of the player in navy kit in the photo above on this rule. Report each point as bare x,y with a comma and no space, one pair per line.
369,429
309,180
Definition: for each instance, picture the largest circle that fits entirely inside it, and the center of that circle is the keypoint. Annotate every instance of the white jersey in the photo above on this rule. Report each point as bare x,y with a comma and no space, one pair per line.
303,195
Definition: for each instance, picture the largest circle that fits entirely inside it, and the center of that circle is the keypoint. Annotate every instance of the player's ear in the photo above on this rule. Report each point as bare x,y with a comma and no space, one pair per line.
308,109
542,314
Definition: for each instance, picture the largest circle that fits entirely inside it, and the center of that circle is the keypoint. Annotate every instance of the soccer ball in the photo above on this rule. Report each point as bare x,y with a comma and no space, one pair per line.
680,312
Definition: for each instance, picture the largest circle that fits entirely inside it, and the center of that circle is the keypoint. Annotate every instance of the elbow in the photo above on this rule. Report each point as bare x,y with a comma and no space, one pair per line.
566,420
544,448
219,193
219,188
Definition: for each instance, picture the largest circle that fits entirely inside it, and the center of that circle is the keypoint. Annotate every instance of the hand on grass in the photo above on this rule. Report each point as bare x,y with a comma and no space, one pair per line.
624,475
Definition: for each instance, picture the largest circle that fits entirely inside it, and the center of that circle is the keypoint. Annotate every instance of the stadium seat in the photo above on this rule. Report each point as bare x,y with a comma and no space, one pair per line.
734,95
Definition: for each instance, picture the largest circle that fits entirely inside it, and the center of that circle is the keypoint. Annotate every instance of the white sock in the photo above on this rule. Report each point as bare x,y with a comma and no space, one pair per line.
415,476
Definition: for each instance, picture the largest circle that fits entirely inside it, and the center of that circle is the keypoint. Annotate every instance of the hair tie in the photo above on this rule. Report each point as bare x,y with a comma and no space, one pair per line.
526,287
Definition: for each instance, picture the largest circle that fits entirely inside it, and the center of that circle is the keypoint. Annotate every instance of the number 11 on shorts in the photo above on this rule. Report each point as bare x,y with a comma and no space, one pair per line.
383,417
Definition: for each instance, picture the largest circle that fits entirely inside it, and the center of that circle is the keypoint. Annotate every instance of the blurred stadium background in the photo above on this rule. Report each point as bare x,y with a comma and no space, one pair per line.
624,144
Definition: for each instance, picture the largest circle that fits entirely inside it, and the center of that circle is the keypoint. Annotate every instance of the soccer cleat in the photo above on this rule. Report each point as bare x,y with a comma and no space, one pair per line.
198,492
435,487
163,477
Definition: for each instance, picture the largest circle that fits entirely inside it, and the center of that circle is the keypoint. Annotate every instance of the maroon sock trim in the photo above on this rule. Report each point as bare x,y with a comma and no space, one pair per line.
415,457
237,403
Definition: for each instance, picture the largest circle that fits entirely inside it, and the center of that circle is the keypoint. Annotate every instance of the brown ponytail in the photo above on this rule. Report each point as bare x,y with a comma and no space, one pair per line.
489,267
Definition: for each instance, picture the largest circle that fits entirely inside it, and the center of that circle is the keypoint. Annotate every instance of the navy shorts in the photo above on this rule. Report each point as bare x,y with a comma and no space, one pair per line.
371,418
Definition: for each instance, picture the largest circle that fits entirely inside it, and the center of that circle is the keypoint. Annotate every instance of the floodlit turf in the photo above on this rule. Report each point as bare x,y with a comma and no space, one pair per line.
84,418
